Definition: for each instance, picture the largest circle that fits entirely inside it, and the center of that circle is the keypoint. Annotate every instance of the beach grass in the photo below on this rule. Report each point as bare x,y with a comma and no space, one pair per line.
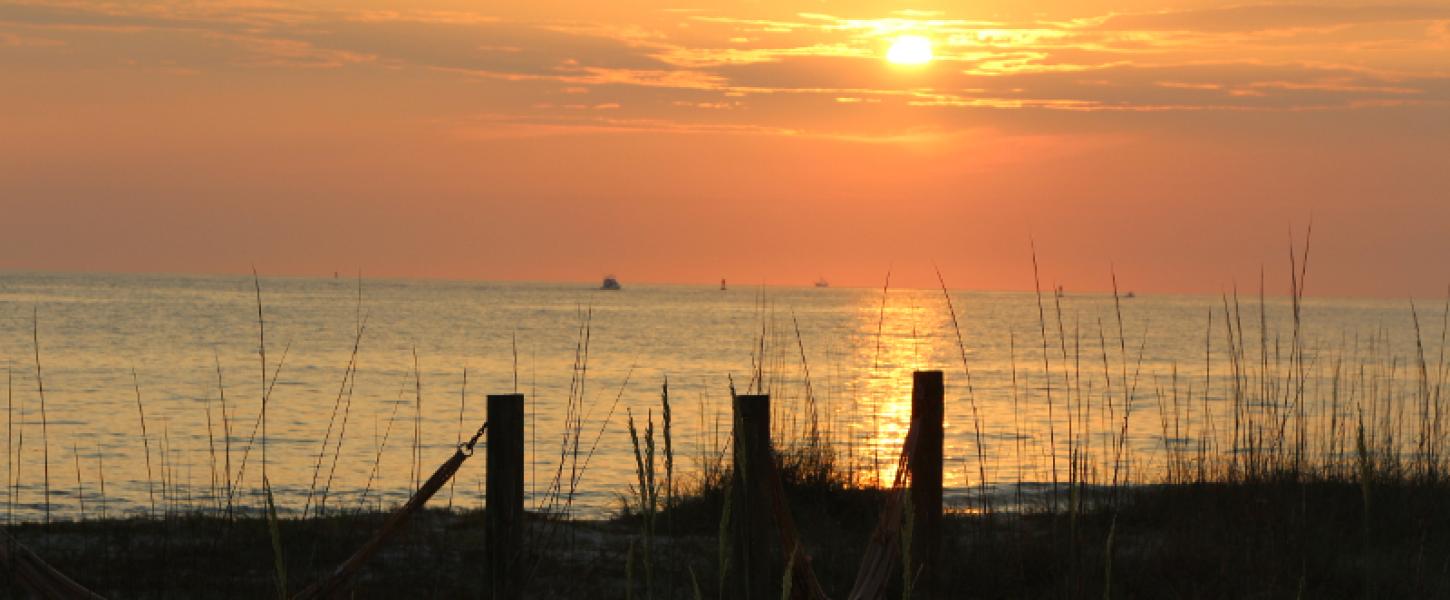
1269,499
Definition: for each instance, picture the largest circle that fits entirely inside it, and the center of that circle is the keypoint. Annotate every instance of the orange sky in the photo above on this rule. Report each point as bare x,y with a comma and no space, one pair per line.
759,141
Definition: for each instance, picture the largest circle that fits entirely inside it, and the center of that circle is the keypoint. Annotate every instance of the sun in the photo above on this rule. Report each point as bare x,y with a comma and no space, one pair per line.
909,50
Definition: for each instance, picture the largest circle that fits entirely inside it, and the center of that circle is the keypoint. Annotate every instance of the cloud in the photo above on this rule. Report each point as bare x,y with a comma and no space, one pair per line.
12,40
784,72
1265,17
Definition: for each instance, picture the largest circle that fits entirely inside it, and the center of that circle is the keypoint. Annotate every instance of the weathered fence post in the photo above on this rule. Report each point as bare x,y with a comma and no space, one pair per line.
750,517
503,532
927,411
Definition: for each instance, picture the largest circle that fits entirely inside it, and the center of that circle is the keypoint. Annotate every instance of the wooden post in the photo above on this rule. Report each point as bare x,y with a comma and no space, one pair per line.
503,531
927,411
753,578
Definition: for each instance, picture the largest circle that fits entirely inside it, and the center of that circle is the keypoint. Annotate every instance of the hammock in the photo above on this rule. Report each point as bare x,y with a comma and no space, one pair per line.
884,550
877,565
808,588
38,576
333,584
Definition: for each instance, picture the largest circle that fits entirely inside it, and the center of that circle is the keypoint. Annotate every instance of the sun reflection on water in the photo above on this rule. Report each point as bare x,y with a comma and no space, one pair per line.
900,339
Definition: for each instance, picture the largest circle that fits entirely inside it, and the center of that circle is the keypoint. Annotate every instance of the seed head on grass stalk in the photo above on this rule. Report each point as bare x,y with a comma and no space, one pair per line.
559,494
1017,436
350,381
573,420
259,423
1426,445
647,493
262,354
1046,376
417,423
341,436
348,375
378,459
881,320
971,396
226,432
462,400
145,443
1440,372
1072,449
580,414
1123,363
211,448
44,422
599,435
1124,449
669,444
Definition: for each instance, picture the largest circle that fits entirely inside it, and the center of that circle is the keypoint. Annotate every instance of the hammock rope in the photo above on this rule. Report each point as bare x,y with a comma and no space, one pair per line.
334,584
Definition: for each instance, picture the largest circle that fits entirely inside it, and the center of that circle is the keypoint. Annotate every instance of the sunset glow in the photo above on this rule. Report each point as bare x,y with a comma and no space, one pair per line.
909,50
906,288
442,139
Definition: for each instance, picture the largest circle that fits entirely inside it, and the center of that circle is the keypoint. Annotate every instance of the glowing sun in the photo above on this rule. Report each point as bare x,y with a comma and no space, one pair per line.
909,50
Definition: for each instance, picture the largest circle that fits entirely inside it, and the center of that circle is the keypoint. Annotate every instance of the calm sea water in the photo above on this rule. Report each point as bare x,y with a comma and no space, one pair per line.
176,332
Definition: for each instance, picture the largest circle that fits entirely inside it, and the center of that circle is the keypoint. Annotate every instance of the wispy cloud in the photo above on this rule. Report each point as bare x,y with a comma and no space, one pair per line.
14,40
1266,18
676,63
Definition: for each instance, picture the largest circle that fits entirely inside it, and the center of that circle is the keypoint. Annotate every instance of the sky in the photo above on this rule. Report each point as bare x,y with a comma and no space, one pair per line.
1180,145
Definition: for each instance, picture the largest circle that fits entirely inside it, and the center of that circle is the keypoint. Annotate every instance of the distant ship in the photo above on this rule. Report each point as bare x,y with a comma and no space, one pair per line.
722,284
822,283
610,283
1130,295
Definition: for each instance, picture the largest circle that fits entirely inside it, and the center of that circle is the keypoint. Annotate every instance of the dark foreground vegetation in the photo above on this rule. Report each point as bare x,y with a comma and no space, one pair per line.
1259,498
1266,539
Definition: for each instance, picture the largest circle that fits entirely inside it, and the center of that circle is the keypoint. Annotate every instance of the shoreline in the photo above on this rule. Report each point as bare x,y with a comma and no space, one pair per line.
1267,539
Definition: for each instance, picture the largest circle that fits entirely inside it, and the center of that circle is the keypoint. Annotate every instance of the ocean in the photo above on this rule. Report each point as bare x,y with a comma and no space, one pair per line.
1154,366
